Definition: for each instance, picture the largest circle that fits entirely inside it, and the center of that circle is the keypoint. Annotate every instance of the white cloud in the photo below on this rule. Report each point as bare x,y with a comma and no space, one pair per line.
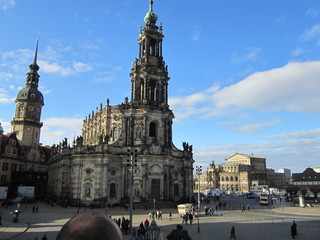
196,33
298,51
292,88
6,126
314,133
312,33
64,69
6,4
255,127
4,76
312,12
55,130
4,98
108,76
251,54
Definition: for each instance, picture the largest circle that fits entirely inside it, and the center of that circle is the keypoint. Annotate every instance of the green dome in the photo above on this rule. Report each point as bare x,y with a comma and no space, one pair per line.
151,16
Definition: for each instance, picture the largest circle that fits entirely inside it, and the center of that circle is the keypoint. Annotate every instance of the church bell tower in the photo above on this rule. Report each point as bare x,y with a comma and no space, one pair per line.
149,75
26,123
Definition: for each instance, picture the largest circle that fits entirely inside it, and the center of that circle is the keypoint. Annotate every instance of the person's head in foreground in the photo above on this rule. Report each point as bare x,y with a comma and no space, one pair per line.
90,225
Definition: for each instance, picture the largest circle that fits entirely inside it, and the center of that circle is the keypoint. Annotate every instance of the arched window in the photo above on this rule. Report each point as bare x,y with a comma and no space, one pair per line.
231,178
115,132
236,178
112,193
222,178
154,94
152,130
227,178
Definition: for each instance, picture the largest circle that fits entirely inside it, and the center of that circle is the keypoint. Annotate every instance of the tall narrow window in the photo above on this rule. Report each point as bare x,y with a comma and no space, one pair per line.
176,189
152,130
141,91
115,132
155,94
112,193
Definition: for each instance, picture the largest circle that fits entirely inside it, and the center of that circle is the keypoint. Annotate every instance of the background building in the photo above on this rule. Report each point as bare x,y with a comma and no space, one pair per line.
286,171
241,173
305,184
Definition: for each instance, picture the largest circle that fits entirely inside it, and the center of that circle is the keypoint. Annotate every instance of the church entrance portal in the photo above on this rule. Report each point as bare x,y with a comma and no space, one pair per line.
155,189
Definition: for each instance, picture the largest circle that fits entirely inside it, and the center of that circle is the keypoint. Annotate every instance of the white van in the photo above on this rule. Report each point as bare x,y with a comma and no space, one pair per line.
184,208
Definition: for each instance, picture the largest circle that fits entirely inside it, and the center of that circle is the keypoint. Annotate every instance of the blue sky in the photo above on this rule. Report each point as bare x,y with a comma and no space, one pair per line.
245,75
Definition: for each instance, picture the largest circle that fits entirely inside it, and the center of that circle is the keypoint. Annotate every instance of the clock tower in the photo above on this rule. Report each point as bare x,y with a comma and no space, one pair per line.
26,123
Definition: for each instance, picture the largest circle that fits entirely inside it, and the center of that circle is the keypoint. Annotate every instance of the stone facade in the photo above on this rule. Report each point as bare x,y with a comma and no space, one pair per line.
127,147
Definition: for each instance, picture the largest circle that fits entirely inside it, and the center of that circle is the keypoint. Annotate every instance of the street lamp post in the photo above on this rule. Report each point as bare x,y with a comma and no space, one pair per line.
198,171
132,158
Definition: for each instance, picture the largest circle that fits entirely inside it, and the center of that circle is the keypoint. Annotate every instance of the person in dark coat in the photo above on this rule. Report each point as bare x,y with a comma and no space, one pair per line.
190,218
233,233
293,231
176,234
295,225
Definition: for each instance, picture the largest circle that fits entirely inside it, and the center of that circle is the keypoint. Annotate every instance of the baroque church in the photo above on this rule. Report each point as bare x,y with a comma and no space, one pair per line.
127,147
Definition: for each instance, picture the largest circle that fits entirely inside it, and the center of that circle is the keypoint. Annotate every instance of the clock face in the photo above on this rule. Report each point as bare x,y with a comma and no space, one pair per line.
116,118
28,129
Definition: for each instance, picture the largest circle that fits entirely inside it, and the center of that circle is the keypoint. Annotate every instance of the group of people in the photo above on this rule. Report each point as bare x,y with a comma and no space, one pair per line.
123,224
35,209
187,217
155,214
243,208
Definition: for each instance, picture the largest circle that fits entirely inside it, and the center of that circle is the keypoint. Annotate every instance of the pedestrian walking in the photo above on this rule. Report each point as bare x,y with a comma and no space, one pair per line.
242,208
44,237
170,216
190,218
37,208
248,207
233,233
293,231
295,225
33,208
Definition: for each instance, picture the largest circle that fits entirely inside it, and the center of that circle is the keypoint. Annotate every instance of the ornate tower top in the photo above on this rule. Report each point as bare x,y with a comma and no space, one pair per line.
151,17
30,92
149,75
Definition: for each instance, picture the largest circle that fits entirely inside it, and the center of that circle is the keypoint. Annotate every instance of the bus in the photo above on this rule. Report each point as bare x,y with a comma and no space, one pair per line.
264,199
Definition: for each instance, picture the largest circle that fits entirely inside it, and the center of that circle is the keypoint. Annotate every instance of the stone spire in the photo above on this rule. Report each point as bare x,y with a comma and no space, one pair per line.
32,78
